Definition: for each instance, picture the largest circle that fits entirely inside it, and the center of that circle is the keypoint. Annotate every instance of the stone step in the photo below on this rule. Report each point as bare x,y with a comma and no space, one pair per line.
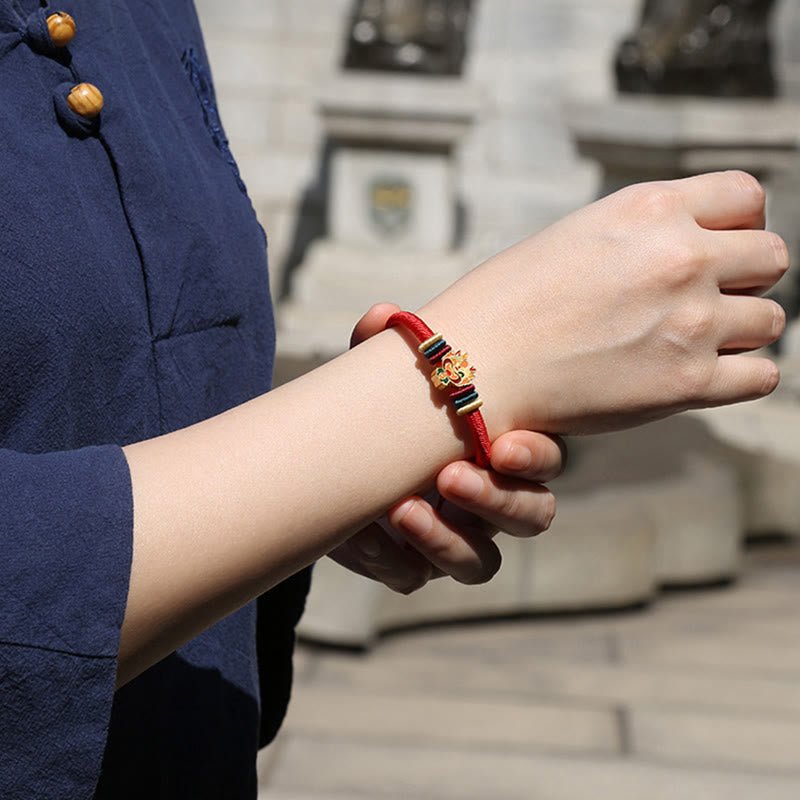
379,771
512,724
600,554
567,681
724,740
765,437
725,653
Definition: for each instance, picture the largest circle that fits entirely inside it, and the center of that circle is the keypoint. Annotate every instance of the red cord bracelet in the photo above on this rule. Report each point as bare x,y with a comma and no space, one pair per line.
452,372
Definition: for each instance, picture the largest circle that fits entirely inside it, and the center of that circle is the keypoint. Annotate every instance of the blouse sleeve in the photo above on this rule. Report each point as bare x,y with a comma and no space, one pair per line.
66,524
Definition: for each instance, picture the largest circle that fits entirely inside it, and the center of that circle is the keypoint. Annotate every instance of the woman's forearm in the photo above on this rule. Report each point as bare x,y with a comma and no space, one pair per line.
629,310
229,507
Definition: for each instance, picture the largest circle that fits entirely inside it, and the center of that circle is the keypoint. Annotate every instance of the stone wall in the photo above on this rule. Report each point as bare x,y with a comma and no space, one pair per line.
519,170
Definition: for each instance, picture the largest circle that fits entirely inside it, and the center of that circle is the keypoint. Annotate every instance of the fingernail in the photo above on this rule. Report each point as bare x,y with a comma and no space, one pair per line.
468,485
370,546
518,457
417,520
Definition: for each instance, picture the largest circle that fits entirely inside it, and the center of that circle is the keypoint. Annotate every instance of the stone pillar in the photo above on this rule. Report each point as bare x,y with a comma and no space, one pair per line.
394,223
636,139
649,138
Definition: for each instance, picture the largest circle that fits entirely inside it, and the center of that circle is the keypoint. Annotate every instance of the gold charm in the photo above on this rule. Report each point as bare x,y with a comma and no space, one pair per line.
454,371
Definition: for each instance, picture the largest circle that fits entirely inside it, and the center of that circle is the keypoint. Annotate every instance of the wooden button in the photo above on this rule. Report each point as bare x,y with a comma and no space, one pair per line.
85,100
62,28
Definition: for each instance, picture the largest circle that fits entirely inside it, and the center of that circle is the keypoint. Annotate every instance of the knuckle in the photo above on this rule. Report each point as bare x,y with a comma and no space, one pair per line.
656,201
410,587
750,187
778,320
488,568
780,251
549,507
560,468
437,543
688,337
540,461
563,457
551,461
546,463
559,464
432,538
510,505
411,582
693,381
770,379
539,518
462,473
691,325
685,261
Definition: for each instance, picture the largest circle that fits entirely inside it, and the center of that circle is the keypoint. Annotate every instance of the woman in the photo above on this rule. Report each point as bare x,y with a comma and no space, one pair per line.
139,521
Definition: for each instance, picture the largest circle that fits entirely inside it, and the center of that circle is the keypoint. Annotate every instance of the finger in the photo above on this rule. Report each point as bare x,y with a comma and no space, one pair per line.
530,456
723,200
516,506
467,557
747,323
749,259
374,321
373,554
757,223
738,378
466,521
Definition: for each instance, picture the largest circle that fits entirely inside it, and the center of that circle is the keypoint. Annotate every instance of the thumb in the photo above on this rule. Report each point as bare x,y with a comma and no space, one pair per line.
374,321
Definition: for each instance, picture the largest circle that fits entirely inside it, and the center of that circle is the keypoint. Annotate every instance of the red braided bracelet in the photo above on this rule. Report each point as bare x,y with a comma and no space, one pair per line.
452,373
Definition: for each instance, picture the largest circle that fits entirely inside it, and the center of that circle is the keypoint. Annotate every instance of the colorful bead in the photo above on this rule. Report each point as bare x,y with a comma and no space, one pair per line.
437,337
474,406
441,354
466,400
435,349
463,391
453,371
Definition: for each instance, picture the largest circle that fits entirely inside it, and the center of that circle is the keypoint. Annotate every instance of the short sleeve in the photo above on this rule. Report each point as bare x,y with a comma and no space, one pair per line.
66,523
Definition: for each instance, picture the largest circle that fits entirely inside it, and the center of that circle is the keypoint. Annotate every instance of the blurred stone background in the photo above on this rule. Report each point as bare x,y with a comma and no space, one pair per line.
695,697
519,170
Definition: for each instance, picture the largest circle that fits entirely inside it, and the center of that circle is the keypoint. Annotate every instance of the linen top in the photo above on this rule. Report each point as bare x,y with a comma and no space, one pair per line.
134,300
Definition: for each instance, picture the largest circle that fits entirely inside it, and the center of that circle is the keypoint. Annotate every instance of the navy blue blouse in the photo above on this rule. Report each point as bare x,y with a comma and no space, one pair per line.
134,300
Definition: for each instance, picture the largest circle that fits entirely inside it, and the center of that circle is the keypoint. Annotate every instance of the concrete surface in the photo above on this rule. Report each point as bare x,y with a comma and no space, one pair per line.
697,698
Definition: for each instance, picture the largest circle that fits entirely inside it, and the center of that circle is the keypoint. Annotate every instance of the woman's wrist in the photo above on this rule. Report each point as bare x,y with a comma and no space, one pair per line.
231,506
471,329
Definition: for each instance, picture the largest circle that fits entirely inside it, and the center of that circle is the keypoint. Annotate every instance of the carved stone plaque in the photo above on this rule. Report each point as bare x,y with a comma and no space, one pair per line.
390,205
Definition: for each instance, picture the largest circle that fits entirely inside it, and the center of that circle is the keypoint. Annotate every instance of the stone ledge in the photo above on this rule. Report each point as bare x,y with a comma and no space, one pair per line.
765,442
409,110
686,135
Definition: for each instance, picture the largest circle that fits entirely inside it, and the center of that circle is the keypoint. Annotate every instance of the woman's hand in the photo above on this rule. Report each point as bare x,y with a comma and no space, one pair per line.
449,531
623,312
628,310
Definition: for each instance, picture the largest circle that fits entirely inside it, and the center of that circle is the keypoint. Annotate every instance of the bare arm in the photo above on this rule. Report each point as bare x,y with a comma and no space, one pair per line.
229,507
621,313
